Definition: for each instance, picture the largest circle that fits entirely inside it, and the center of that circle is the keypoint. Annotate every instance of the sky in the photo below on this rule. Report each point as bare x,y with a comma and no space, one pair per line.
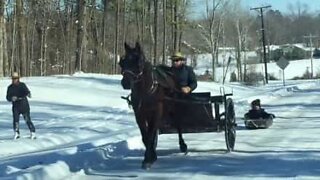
85,131
198,6
282,5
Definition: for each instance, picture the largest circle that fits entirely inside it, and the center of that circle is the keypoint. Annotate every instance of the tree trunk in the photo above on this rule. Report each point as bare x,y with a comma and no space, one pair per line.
155,25
63,26
212,23
104,23
213,33
5,52
151,33
103,50
70,36
2,42
21,38
81,53
94,34
124,24
143,20
239,48
116,41
175,26
164,31
42,51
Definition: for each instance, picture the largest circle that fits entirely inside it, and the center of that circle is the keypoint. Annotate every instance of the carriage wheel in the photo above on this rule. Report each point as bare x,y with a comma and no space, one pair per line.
230,125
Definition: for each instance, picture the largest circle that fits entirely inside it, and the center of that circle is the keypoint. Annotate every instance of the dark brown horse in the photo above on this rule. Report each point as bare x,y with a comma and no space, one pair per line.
149,88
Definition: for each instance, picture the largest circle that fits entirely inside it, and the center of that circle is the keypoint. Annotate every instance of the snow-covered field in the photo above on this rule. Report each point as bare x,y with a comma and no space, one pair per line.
86,131
294,69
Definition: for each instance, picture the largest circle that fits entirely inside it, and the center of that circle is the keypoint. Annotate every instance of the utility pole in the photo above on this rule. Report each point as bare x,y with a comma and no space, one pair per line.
263,39
310,37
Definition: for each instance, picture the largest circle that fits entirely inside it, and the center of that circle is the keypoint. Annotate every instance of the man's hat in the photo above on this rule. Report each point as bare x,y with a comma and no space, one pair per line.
15,75
178,55
256,102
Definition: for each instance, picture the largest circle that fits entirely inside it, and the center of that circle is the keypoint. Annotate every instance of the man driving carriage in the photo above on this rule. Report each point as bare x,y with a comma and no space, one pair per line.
184,74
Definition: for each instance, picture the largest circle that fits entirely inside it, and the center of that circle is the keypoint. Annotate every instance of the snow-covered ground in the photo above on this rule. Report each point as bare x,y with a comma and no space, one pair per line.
294,69
86,131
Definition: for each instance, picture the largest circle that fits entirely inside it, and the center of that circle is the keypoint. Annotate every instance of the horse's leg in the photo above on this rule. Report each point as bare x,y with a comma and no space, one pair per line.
142,127
146,138
182,144
153,126
150,155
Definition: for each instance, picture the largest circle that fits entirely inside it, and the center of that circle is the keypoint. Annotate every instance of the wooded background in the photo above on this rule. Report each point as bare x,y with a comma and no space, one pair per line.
45,37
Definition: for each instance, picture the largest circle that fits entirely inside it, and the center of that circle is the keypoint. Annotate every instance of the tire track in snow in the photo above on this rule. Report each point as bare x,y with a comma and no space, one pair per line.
285,134
98,141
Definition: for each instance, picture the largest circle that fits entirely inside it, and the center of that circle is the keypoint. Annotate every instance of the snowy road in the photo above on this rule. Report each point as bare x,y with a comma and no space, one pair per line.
92,135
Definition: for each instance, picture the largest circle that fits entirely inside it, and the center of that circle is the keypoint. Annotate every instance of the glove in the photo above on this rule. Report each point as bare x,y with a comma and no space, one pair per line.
14,98
186,89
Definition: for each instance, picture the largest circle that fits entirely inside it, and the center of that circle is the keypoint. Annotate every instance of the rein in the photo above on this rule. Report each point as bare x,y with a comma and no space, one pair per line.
155,83
137,78
128,99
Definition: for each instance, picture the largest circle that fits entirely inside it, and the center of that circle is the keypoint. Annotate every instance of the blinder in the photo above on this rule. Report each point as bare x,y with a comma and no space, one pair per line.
130,75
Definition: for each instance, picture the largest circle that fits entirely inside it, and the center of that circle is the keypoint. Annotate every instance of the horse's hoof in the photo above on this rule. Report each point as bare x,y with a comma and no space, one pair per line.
184,148
146,166
154,159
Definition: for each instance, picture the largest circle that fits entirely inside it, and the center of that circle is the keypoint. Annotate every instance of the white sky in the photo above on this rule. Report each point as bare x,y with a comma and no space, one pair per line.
85,131
285,6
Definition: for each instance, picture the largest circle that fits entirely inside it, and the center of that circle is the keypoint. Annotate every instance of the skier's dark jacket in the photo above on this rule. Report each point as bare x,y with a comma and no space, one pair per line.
21,91
185,76
257,114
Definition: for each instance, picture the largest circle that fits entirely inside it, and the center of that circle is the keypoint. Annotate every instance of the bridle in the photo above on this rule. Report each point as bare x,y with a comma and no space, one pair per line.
136,77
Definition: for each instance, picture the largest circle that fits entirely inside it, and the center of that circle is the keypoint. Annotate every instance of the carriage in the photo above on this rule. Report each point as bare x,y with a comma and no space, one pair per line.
160,108
196,115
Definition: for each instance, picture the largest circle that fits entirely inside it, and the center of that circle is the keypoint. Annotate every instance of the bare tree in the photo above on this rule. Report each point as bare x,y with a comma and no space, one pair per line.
175,27
21,38
93,34
155,26
116,40
164,47
43,28
242,21
211,29
298,9
81,52
104,22
3,50
61,36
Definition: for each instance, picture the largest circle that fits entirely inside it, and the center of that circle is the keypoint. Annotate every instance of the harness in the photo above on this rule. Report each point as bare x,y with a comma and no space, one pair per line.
137,77
155,83
156,72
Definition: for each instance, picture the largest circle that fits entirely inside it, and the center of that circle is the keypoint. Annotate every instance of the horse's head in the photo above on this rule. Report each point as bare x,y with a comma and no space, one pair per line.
131,64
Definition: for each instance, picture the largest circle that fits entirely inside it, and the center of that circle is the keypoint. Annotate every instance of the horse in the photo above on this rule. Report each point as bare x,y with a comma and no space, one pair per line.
149,88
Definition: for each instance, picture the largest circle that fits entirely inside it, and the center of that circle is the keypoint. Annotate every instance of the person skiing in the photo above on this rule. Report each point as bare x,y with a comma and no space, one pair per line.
17,93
